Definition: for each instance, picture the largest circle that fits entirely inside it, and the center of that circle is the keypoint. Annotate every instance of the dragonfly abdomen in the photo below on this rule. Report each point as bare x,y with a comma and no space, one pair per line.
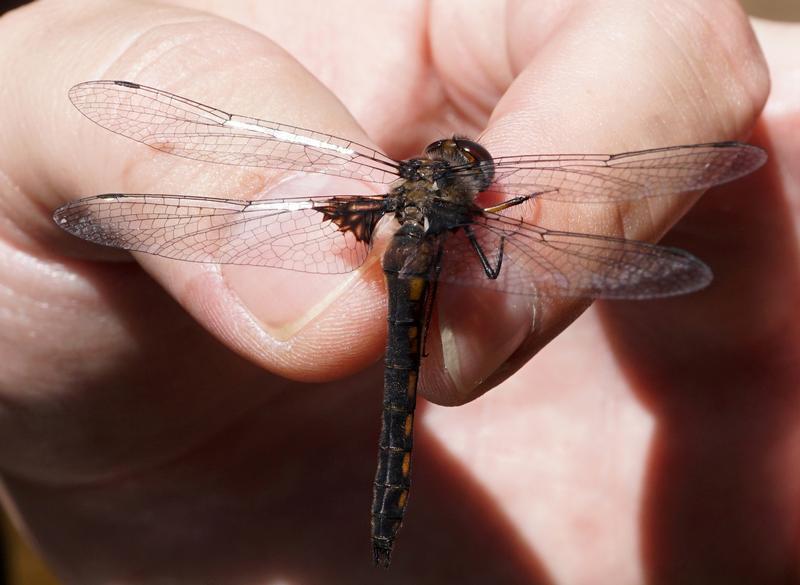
407,264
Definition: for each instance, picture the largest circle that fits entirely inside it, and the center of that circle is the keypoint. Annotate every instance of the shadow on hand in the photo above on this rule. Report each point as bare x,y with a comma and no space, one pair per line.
717,371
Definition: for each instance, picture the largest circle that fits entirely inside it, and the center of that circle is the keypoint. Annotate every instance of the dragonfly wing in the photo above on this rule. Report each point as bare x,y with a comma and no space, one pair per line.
536,261
186,128
602,178
317,235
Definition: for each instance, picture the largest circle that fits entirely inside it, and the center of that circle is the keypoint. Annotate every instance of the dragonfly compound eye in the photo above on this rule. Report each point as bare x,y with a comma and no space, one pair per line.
465,156
476,154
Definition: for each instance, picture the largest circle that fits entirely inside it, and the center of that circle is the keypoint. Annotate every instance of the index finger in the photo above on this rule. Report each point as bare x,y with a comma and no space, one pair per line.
594,78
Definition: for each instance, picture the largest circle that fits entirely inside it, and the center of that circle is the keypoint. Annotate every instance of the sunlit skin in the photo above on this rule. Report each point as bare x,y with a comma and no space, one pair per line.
144,438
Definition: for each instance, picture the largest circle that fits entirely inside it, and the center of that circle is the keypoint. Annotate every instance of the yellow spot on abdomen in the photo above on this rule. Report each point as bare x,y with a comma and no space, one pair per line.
406,464
415,287
401,501
412,384
409,424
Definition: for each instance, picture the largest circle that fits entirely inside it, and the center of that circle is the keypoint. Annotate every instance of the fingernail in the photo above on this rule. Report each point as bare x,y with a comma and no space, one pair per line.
471,350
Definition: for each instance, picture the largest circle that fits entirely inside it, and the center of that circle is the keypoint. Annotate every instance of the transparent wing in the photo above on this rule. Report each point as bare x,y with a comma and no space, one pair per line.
318,235
534,260
182,127
603,178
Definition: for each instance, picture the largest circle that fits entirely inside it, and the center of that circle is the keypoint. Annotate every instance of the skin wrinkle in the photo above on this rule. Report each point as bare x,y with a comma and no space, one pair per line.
507,21
468,105
733,71
681,26
516,59
457,102
442,100
137,37
11,231
692,66
171,38
140,36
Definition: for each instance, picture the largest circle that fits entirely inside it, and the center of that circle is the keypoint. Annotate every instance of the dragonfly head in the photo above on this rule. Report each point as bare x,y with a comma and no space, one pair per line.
467,160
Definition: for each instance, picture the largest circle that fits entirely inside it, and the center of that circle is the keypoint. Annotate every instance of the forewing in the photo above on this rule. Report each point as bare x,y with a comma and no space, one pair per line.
537,261
600,178
317,235
186,128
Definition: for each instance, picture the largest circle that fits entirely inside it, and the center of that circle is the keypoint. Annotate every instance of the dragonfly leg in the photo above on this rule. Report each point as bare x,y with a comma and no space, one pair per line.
510,203
491,271
437,269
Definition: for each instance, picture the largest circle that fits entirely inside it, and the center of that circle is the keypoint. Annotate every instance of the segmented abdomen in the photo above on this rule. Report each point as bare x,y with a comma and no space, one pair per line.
407,264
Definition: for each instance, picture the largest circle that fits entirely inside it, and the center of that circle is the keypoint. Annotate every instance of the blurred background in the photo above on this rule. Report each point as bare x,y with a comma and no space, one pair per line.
774,9
19,565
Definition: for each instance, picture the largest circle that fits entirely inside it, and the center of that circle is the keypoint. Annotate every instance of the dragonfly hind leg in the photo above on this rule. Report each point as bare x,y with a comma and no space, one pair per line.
492,272
431,300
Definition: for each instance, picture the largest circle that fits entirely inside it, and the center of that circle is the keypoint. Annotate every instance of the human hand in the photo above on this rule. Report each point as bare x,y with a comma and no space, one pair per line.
169,455
655,442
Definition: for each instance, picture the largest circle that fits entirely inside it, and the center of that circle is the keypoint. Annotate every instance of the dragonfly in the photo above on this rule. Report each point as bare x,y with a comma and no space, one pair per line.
442,234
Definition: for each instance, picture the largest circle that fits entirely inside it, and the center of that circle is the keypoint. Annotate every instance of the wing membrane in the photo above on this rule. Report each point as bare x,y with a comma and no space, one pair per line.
555,263
307,235
189,129
600,178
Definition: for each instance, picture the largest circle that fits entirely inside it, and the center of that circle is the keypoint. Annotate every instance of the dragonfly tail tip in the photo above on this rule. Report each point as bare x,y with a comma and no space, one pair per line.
382,555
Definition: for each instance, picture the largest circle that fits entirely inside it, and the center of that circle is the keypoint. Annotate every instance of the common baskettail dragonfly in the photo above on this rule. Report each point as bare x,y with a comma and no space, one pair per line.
444,235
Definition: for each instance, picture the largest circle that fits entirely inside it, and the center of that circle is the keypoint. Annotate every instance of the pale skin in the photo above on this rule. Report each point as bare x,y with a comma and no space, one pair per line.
160,420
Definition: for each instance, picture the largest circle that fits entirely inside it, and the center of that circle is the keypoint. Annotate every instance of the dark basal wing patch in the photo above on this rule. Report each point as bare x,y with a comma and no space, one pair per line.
357,217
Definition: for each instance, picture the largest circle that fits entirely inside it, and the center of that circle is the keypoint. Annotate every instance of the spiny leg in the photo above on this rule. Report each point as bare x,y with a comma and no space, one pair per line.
513,202
437,269
492,272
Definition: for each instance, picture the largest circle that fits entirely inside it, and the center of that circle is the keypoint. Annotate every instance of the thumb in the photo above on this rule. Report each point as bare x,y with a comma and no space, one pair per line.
290,323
